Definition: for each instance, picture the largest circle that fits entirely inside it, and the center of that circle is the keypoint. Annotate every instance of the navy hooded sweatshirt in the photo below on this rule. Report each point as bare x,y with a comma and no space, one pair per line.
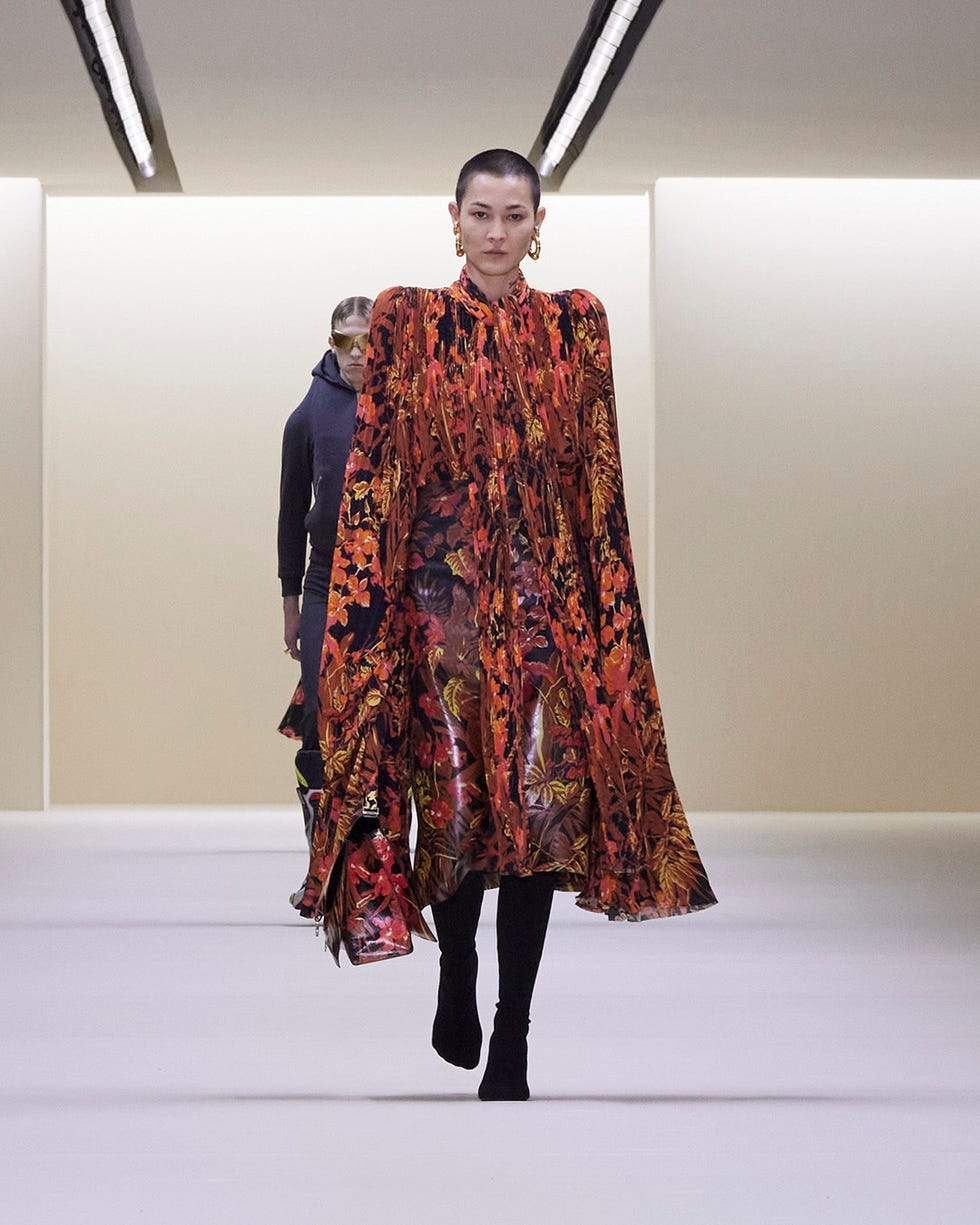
315,446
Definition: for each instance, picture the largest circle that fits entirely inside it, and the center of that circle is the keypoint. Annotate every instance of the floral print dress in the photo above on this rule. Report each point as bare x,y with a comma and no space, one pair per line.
485,657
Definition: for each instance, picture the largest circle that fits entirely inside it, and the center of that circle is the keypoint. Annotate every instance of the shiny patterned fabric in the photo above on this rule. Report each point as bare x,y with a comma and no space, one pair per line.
484,648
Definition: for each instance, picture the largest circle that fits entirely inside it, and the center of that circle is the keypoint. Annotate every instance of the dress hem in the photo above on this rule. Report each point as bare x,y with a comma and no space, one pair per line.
616,915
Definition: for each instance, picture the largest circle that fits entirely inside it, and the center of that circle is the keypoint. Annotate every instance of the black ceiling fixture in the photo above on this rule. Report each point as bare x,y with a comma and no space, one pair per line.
602,54
110,45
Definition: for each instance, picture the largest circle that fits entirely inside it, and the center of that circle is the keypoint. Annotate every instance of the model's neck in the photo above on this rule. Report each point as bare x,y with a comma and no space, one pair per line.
494,287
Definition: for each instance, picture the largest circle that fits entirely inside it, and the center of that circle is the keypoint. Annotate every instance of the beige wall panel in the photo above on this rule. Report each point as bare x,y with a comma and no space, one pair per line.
818,492
21,584
181,333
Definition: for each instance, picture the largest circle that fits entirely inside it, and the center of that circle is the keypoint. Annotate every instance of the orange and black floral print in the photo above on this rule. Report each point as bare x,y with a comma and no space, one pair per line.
485,656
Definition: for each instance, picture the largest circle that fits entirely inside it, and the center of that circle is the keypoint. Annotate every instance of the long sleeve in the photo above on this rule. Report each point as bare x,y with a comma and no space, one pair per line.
295,485
643,851
620,635
362,685
635,779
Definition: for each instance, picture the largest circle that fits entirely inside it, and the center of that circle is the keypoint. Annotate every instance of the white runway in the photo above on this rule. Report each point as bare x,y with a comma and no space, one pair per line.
177,1049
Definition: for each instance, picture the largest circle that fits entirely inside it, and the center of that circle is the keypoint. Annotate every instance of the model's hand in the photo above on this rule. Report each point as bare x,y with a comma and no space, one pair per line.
290,615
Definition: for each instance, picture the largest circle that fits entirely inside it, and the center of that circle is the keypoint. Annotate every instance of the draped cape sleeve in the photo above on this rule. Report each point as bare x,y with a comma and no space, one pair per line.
362,698
642,862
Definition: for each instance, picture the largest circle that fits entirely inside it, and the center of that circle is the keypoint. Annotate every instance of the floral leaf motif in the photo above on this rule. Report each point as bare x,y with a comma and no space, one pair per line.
676,862
460,562
389,484
604,466
453,694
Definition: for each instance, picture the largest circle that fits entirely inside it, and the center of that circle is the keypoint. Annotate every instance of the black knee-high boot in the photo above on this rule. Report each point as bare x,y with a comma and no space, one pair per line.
523,910
456,1032
309,775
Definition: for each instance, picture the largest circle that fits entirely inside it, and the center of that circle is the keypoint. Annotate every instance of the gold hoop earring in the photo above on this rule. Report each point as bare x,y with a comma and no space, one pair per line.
459,240
534,250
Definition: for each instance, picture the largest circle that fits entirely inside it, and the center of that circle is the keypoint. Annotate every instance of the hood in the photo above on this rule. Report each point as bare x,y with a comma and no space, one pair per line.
328,370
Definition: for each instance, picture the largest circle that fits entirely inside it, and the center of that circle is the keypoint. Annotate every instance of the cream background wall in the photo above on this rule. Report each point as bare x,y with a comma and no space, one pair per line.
818,492
181,333
21,578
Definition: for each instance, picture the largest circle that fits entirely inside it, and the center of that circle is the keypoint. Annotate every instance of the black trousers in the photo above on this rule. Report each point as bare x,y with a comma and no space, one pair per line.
313,622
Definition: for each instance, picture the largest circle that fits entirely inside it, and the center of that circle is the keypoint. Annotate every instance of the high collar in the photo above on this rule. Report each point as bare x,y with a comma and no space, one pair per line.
472,297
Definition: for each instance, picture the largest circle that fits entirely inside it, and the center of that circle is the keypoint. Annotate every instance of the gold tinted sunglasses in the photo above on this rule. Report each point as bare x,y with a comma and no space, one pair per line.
345,343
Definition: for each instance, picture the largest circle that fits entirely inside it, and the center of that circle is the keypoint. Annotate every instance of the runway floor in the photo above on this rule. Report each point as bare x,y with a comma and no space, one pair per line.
178,1049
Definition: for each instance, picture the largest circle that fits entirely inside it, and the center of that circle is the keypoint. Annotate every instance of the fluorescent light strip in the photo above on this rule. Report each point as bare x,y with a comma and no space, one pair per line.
117,74
593,74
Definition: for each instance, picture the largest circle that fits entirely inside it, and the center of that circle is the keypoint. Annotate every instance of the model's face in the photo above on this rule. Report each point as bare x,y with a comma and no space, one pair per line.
349,342
496,223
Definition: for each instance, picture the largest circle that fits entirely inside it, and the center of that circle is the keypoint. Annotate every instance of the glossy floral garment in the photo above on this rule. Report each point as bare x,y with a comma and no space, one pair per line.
484,647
